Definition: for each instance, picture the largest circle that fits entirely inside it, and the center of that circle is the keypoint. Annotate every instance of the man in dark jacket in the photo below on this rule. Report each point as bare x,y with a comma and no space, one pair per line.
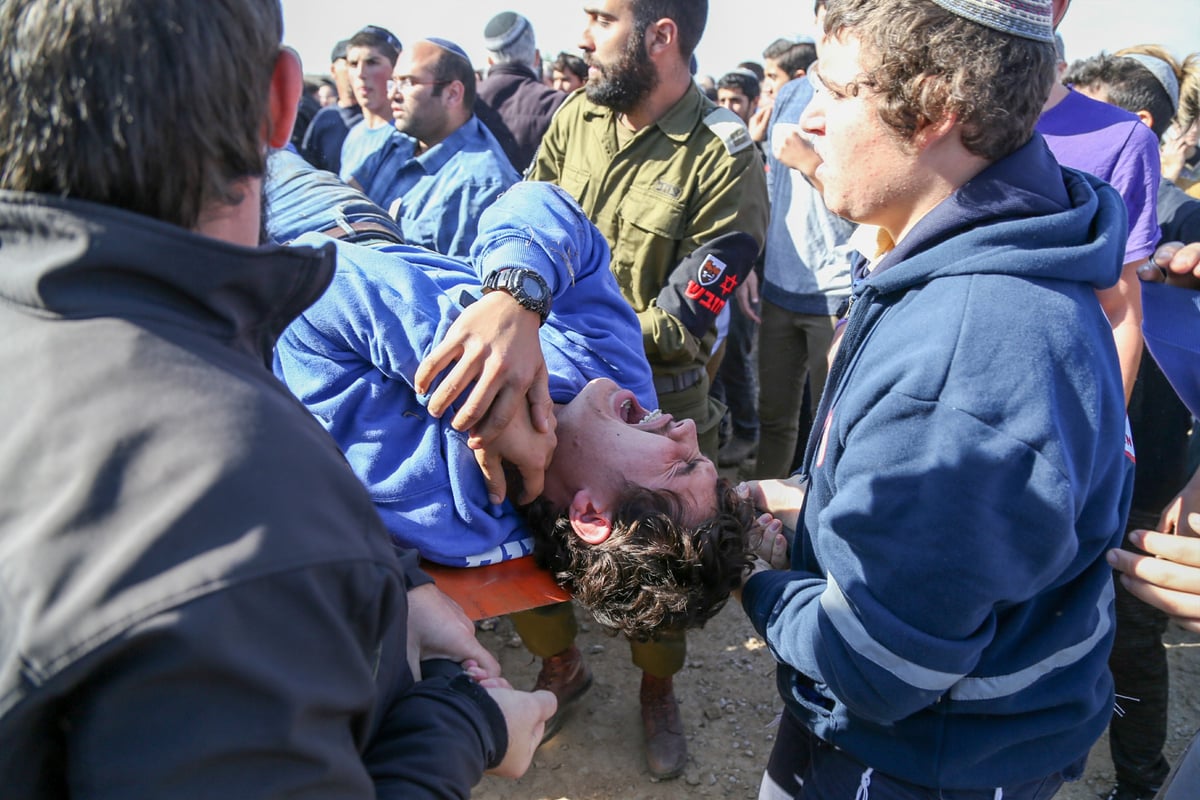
199,599
514,90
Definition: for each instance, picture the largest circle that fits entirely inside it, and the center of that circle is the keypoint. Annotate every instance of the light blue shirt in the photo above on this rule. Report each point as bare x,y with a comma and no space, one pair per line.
806,264
360,143
437,196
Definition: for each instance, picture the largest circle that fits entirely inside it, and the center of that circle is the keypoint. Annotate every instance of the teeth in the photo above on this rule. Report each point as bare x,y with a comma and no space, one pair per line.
655,414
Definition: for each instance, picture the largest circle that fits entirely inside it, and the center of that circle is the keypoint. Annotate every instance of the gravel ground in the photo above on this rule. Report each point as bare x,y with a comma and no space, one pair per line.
729,704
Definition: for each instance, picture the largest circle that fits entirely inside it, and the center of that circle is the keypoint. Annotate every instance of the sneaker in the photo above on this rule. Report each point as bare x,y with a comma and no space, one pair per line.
568,677
666,746
735,451
1124,791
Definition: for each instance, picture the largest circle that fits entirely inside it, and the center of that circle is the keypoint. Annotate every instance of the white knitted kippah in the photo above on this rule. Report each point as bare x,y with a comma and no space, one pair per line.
504,29
1029,19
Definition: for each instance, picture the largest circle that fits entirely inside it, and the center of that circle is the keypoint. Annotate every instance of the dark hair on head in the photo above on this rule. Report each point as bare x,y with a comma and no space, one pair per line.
102,97
930,63
742,80
1188,75
754,67
450,66
1129,85
378,38
791,55
652,573
690,17
569,62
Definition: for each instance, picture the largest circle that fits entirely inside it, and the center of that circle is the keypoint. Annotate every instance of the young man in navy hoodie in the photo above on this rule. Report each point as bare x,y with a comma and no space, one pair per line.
944,627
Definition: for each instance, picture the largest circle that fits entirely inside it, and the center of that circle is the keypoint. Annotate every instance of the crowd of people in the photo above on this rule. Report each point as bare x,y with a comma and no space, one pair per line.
929,288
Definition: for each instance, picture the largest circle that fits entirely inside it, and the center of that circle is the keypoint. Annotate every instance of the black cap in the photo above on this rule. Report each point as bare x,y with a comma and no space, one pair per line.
339,50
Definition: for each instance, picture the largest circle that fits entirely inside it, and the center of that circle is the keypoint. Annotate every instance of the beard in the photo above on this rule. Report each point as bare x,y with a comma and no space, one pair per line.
626,83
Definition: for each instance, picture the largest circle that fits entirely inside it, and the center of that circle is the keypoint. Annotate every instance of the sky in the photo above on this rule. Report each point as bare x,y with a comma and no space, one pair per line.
737,30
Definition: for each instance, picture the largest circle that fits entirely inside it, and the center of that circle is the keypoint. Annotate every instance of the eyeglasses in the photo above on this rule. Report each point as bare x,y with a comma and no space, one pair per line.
404,84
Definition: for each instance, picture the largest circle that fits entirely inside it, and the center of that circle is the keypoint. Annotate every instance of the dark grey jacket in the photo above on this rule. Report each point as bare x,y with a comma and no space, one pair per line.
523,106
196,596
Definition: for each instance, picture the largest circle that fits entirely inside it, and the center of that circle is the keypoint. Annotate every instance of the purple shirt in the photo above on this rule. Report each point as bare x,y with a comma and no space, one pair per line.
1116,147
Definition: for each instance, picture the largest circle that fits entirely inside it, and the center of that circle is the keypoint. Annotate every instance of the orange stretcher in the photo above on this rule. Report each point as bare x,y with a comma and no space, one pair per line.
497,589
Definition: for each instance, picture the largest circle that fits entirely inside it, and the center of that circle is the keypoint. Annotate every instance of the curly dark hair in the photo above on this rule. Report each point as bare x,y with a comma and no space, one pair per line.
932,63
652,573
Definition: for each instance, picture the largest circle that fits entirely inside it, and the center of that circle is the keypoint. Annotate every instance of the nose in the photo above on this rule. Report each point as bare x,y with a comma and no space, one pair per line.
684,429
813,119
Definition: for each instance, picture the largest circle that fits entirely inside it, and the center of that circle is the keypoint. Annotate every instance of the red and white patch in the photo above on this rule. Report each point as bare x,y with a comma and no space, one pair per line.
1129,451
710,270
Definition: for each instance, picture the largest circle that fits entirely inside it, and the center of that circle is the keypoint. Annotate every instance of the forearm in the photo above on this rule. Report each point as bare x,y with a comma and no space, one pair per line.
666,339
1122,305
437,741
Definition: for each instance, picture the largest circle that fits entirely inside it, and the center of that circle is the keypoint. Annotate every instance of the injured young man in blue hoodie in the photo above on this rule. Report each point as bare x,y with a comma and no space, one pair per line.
631,518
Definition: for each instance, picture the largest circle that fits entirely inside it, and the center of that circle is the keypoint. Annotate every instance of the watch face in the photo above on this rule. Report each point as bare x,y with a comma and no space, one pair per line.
531,287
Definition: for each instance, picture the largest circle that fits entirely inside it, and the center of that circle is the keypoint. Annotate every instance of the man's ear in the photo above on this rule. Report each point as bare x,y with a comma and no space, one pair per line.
933,131
661,35
591,524
287,82
454,93
1146,117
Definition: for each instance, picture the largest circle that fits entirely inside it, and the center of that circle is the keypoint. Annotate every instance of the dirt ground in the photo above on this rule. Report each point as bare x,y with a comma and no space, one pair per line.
729,704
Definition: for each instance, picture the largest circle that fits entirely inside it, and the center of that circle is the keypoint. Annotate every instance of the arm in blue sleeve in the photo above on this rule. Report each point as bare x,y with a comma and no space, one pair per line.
592,331
539,226
384,311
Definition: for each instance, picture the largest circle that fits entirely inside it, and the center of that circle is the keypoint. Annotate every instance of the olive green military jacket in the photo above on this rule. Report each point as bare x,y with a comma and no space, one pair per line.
692,176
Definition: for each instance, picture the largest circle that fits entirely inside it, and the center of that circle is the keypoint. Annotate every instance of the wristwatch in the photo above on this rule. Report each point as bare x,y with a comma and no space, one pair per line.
524,285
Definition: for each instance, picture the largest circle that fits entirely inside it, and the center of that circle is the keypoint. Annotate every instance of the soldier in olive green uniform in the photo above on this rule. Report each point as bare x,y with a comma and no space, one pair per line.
657,195
675,185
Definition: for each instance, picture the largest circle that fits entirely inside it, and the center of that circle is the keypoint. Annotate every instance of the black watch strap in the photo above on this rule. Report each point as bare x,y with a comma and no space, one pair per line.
525,286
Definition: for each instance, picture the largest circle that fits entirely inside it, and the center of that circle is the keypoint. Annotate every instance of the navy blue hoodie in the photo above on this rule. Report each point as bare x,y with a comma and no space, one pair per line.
948,616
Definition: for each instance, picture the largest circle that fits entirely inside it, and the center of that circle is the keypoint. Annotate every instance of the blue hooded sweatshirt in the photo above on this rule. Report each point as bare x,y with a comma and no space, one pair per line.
352,356
948,615
1169,325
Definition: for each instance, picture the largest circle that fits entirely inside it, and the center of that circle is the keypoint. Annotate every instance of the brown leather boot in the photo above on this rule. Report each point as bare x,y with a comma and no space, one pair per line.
666,746
568,677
